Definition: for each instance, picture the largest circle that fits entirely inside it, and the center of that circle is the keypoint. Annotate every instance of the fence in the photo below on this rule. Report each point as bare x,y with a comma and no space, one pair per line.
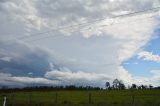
29,99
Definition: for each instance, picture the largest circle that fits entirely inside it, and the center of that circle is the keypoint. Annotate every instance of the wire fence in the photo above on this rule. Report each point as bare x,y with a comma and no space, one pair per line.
79,98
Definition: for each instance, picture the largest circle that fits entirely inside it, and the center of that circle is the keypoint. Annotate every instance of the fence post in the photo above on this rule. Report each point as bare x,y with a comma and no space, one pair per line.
89,98
56,97
133,97
5,99
29,98
12,99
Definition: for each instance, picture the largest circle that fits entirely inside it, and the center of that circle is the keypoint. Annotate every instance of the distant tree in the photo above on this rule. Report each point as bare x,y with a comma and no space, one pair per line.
107,85
157,87
139,87
150,87
143,87
134,86
116,84
121,85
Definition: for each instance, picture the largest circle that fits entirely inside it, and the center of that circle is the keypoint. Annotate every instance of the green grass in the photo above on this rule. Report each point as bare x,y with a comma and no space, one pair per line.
81,98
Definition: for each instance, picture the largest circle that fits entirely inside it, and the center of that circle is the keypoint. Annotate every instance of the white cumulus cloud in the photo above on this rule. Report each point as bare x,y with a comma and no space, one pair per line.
149,56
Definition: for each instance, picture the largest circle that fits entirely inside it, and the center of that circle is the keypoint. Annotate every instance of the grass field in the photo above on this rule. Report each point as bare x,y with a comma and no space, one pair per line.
84,98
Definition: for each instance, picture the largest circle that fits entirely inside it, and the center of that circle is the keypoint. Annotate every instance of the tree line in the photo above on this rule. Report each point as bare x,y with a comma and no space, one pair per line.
50,88
119,85
115,85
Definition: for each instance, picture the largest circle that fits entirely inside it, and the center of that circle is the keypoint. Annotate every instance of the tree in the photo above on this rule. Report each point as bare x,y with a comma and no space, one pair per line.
121,85
134,86
118,84
115,84
143,87
107,85
150,87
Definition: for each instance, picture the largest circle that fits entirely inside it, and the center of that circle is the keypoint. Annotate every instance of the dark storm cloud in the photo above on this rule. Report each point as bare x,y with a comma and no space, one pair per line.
20,59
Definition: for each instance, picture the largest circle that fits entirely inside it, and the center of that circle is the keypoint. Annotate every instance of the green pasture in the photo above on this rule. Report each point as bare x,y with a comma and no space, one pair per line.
84,98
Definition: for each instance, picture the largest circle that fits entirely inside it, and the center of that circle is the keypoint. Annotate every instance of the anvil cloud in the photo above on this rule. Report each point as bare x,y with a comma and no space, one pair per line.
93,53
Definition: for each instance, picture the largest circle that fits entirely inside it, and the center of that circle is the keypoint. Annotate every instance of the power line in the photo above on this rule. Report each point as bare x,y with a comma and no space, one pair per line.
81,29
90,22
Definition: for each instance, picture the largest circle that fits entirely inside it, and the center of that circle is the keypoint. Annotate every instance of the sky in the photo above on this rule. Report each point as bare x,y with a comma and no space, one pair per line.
66,42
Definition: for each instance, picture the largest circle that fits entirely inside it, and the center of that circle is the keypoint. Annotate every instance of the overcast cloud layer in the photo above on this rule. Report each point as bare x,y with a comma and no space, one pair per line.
82,55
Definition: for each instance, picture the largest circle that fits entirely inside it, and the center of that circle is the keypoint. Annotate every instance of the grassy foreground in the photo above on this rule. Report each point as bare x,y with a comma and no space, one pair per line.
84,98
